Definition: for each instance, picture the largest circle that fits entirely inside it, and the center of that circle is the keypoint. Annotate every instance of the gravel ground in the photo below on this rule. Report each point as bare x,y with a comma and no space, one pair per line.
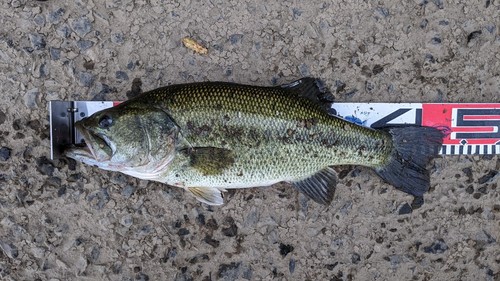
61,220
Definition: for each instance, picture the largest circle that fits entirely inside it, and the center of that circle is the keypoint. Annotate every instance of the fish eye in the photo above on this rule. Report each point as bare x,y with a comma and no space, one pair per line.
105,122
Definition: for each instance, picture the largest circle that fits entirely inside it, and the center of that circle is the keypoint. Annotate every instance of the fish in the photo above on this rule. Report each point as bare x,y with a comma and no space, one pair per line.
208,137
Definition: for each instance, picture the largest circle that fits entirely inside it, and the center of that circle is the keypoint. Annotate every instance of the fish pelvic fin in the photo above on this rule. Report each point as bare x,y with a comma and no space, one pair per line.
414,148
207,195
320,187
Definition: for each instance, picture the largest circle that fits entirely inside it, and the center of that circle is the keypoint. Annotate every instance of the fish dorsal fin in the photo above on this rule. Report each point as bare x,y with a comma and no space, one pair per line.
210,160
312,89
320,187
207,195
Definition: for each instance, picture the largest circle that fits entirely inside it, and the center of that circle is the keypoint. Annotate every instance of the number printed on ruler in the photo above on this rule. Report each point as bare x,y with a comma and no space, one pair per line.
474,128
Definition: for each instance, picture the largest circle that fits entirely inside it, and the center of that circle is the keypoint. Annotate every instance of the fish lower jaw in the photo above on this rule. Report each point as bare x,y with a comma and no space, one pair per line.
154,172
143,175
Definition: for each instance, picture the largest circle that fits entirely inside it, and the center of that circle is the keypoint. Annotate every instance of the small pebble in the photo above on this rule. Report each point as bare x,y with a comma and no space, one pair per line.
141,276
5,153
63,31
355,258
436,40
232,229
229,71
16,125
94,254
200,219
37,41
377,69
296,13
117,38
31,98
9,249
39,20
81,26
469,189
74,177
126,220
291,265
304,70
3,117
247,273
339,86
437,247
210,241
423,23
89,65
121,75
285,249
143,231
418,201
45,166
332,266
130,65
351,93
55,53
101,90
473,35
53,182
55,16
438,3
444,22
369,86
235,38
16,3
486,178
229,271
383,11
102,197
430,58
84,44
86,78
491,28
61,191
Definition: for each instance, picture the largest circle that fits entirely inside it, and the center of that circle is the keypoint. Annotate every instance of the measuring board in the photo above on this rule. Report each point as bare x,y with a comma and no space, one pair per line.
471,128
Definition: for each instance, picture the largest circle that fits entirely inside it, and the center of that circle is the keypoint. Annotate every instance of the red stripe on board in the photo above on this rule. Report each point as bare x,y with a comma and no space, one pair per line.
473,129
481,117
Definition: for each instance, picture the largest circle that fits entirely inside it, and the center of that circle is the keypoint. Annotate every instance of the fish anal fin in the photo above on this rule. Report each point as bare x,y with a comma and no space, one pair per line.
211,160
207,195
320,187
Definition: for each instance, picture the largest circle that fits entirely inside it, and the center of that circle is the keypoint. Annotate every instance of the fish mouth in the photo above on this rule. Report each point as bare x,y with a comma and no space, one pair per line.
95,145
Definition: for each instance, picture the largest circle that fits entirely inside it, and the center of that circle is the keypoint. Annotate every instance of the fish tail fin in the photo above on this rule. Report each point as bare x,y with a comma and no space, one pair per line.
414,147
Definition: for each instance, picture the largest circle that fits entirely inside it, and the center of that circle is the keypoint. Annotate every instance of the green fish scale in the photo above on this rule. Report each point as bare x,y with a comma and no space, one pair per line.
274,134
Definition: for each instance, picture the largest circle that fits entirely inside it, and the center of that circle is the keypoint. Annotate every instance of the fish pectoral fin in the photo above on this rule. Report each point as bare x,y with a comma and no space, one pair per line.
320,187
207,195
211,160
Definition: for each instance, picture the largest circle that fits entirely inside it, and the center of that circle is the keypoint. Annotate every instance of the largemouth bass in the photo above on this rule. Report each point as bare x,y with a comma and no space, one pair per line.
211,136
